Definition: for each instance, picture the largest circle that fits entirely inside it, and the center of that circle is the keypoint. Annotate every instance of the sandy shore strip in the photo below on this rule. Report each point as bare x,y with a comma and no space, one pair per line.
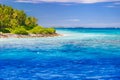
9,35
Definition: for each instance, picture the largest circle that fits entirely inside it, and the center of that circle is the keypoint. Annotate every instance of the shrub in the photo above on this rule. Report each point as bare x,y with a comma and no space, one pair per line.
41,30
5,30
37,30
20,30
51,30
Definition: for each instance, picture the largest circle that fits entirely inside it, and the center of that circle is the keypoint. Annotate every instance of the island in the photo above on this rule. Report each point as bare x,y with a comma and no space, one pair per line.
17,24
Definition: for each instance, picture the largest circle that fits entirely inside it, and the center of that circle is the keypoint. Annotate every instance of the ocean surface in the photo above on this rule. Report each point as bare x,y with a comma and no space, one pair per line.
81,54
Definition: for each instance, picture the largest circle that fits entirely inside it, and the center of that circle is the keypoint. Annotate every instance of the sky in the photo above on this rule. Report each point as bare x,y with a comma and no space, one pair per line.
71,13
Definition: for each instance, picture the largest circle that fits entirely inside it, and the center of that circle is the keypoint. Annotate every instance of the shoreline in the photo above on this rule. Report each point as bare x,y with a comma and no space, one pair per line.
9,35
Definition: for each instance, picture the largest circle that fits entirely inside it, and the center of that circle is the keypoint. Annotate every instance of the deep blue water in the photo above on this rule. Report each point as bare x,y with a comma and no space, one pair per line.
81,54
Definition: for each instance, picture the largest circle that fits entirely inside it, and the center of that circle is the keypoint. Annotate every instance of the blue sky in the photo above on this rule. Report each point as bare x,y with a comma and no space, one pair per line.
71,13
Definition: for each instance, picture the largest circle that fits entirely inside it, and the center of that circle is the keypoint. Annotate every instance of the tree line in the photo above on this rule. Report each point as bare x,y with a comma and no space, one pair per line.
18,22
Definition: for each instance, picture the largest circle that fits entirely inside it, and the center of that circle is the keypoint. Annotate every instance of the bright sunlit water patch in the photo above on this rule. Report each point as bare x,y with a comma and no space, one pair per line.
80,54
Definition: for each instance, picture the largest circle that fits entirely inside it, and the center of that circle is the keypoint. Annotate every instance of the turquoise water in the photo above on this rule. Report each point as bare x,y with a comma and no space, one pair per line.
81,54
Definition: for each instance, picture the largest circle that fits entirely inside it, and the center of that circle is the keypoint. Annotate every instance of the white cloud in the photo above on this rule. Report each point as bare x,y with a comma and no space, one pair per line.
94,25
62,23
67,1
100,25
110,6
73,20
67,4
117,3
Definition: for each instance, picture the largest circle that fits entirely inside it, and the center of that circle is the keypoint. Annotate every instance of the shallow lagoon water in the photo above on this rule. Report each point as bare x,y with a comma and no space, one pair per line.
81,54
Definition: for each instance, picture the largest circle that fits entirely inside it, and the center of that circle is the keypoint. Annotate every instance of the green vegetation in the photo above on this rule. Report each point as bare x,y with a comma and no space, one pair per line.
42,30
20,30
17,22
